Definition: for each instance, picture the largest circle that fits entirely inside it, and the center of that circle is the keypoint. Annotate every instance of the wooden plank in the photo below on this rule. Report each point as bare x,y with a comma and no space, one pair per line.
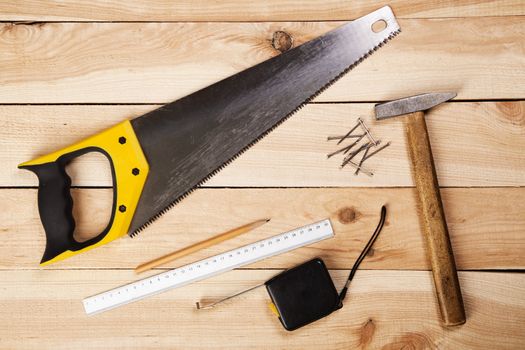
238,10
481,58
385,309
486,227
474,144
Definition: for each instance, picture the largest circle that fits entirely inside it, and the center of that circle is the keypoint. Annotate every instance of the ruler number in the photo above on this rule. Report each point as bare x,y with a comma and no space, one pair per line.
237,257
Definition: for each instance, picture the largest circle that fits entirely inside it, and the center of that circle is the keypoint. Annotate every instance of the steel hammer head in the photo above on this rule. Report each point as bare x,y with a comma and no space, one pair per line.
411,104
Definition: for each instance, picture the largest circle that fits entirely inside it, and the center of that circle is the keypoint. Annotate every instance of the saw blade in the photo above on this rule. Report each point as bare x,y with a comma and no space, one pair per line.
189,140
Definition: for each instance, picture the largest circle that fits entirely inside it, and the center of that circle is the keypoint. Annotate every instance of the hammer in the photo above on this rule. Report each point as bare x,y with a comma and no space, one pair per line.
432,218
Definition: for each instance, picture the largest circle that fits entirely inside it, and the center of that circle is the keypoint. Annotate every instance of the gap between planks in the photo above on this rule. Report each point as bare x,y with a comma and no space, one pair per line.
156,105
238,10
474,144
486,227
161,62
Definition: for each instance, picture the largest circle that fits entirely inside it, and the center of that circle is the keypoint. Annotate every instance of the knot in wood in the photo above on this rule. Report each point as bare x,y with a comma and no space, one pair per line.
367,333
347,215
511,113
282,41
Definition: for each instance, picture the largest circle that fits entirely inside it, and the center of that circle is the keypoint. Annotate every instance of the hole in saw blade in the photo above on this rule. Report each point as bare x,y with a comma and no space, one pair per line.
379,26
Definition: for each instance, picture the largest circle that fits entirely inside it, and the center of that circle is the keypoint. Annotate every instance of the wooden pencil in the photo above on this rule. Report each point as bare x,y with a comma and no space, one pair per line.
200,245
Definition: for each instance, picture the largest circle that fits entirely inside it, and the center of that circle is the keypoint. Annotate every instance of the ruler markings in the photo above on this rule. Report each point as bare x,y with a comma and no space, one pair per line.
209,267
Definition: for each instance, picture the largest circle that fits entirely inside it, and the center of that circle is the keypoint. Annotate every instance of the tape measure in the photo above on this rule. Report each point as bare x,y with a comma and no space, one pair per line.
209,267
305,293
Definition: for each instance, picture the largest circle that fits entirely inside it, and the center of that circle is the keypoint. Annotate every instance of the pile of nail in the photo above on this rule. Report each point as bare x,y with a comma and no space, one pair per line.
368,148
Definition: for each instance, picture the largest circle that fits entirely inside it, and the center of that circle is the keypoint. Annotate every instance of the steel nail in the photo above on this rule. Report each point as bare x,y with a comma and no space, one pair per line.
362,160
348,133
378,150
331,138
363,170
356,152
355,143
338,151
367,131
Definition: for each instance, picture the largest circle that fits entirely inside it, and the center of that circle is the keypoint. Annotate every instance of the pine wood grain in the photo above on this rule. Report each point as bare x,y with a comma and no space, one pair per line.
486,227
481,58
474,144
238,10
384,309
474,47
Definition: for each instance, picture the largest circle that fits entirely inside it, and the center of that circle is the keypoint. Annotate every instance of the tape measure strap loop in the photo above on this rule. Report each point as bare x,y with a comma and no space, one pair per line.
365,251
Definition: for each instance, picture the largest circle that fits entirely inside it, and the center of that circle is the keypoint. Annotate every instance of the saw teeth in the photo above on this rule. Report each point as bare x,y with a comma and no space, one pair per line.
308,100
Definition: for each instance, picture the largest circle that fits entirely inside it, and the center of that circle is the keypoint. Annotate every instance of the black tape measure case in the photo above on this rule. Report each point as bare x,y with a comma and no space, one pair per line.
303,294
306,293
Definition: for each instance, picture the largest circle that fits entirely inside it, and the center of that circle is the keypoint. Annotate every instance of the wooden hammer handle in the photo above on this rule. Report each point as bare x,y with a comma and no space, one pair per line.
433,222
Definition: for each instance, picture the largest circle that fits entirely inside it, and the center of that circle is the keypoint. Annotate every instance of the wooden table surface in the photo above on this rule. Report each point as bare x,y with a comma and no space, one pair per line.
72,68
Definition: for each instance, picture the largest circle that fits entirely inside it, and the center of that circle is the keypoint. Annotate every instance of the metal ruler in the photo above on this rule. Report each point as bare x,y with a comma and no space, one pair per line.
209,267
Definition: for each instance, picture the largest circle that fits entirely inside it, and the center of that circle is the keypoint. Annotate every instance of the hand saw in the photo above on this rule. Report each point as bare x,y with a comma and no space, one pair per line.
157,159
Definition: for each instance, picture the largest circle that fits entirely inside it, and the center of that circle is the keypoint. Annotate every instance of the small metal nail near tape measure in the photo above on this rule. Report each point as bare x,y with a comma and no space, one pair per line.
306,293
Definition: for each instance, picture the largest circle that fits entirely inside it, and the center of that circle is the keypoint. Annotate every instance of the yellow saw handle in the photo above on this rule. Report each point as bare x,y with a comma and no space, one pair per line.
129,170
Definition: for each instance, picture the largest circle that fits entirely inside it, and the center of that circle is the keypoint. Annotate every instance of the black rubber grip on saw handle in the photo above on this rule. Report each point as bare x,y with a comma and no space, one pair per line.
55,205
129,170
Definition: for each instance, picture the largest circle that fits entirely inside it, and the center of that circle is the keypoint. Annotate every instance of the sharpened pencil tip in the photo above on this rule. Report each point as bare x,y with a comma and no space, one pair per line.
268,220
